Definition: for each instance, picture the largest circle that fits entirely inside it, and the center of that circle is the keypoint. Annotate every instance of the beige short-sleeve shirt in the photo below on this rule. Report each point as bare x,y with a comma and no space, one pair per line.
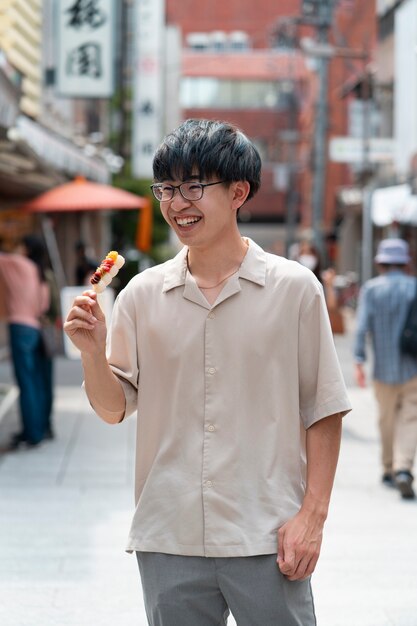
224,394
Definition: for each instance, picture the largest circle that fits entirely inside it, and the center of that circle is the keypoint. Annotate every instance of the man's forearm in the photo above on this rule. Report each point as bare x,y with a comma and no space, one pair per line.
323,445
299,539
103,388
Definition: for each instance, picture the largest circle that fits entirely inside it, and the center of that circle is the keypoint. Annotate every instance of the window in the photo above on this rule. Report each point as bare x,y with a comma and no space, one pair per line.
218,41
231,94
239,40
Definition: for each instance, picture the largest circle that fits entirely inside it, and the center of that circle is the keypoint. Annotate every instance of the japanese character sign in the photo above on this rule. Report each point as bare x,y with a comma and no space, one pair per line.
86,12
148,92
86,45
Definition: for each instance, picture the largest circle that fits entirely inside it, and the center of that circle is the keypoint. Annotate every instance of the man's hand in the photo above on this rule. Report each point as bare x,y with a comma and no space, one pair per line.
86,325
299,539
299,543
360,375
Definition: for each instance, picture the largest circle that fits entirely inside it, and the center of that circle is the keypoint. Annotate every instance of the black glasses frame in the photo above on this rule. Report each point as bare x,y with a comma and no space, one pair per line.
173,188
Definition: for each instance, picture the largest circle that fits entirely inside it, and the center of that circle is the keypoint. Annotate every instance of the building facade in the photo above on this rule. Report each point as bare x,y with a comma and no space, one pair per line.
45,139
239,62
381,96
245,62
20,41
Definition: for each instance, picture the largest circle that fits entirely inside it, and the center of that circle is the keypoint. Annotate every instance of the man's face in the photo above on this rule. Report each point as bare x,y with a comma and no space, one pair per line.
199,222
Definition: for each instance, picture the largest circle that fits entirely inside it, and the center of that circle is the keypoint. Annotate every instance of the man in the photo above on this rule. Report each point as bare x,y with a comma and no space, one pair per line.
382,310
24,297
226,351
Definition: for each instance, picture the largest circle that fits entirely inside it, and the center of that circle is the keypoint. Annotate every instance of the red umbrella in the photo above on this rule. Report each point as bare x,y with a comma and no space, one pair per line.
84,195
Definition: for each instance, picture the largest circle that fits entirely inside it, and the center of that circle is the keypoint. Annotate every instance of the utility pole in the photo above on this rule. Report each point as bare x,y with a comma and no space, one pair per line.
320,147
368,185
320,13
285,34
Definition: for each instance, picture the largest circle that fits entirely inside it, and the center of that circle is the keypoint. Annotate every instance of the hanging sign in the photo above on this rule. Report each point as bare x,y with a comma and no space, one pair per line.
85,41
148,91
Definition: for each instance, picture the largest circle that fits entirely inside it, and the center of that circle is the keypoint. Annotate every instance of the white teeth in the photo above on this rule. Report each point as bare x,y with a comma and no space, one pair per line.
185,221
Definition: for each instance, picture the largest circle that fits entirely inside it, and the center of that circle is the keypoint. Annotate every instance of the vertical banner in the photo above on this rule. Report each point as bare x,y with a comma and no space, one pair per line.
148,85
85,47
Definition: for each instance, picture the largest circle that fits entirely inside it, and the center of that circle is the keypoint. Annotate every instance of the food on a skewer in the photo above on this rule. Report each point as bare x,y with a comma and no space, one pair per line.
107,270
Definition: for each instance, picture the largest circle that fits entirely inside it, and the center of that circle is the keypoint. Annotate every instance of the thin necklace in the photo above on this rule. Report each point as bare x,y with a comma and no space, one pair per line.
220,281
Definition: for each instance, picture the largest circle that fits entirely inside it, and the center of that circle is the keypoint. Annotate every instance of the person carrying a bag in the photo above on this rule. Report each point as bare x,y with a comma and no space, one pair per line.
383,307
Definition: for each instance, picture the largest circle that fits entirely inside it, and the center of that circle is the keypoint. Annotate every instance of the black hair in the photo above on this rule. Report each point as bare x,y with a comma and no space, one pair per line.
36,252
208,148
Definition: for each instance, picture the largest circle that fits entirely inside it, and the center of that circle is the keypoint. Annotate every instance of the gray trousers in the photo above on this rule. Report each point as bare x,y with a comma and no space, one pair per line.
199,591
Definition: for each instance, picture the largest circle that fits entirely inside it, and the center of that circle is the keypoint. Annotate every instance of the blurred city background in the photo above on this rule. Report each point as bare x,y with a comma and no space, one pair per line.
325,88
327,91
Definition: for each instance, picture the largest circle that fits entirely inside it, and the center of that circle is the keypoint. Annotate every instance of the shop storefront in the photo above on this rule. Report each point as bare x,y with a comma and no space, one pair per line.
34,159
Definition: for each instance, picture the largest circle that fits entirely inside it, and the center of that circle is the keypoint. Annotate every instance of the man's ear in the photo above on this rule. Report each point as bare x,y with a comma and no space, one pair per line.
241,189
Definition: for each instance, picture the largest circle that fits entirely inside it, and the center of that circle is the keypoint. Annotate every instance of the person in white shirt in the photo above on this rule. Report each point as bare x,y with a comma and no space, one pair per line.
226,352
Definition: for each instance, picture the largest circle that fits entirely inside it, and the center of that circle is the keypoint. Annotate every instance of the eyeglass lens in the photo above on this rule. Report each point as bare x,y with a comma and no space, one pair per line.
190,191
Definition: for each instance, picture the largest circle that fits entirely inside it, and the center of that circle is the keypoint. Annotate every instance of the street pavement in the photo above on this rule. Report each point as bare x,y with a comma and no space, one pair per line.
65,511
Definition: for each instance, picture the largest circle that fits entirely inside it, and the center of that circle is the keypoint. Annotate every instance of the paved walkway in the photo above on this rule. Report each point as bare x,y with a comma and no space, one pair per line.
66,507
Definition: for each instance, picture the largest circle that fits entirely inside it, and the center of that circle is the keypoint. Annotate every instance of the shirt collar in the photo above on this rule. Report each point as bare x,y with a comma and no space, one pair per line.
253,267
176,271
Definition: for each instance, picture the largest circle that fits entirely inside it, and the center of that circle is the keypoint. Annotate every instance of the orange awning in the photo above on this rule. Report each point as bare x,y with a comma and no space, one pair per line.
84,195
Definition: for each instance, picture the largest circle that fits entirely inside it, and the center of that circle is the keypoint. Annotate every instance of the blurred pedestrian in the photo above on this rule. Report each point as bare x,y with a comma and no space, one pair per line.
228,355
35,250
24,296
382,310
332,301
307,255
85,265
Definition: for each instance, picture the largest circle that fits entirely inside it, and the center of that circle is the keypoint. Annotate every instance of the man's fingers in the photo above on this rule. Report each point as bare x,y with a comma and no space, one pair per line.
79,313
287,562
300,567
95,307
84,310
304,569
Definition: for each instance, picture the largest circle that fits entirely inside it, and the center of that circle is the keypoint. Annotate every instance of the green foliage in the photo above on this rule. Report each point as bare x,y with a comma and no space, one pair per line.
124,223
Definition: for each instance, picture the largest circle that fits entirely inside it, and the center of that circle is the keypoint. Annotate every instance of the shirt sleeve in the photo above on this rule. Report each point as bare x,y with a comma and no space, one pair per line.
363,318
122,353
322,390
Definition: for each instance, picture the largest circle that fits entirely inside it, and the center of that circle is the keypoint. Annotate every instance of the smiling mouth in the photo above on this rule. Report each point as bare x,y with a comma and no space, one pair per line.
186,221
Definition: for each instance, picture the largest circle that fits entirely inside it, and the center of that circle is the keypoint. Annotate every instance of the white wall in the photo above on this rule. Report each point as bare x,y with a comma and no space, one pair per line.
172,76
405,84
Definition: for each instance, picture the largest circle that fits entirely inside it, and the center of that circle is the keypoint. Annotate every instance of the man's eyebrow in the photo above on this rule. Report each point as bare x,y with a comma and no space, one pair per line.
185,180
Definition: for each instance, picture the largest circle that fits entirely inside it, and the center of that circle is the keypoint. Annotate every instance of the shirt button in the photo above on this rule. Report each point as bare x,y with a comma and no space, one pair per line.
211,370
211,316
209,483
211,427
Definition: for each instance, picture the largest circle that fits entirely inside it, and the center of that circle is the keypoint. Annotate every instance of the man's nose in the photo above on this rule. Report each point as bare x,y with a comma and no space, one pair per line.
178,202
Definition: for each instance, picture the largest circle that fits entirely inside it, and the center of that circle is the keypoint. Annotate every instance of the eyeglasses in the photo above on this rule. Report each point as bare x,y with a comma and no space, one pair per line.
190,191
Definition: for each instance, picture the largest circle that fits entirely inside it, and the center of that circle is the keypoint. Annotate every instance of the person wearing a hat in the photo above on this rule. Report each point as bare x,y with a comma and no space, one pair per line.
382,311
